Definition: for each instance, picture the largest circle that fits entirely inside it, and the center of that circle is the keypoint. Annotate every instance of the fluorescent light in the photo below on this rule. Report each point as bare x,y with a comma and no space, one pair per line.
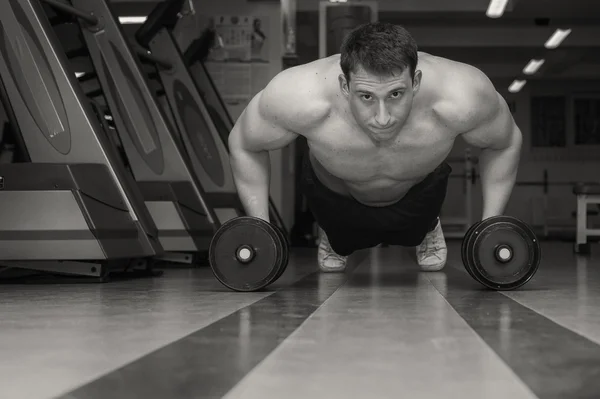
557,37
496,8
533,66
79,74
132,20
516,86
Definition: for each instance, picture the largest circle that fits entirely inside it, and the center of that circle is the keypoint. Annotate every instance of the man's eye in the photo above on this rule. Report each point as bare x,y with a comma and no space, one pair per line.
366,97
396,94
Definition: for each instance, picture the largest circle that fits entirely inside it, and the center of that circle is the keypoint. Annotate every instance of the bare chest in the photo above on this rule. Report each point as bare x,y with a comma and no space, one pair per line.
348,154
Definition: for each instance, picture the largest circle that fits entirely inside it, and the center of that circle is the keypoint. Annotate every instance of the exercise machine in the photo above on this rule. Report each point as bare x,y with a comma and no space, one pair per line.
161,158
198,109
70,207
208,153
586,194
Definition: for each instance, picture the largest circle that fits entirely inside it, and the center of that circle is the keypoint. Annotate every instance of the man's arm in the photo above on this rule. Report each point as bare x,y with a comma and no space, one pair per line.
272,120
496,133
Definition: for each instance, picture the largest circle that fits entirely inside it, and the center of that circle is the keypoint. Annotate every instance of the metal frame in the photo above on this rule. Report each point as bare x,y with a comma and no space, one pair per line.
71,209
324,5
172,190
184,100
583,232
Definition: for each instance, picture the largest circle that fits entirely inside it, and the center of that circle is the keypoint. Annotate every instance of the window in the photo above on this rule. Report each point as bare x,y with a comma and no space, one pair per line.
586,115
548,121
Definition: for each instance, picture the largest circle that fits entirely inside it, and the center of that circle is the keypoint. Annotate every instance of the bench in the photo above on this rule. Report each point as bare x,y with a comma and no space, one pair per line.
586,193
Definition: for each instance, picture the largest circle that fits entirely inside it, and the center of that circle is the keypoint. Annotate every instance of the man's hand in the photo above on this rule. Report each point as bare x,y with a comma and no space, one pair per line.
494,130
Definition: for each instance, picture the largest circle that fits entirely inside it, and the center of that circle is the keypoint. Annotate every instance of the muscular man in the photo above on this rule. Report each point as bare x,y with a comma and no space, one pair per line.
380,119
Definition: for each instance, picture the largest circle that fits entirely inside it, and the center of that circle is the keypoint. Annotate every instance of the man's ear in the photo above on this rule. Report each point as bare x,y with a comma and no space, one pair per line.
344,85
417,81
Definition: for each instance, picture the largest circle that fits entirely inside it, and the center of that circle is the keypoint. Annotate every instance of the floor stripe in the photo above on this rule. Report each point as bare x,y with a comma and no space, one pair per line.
553,361
211,361
387,333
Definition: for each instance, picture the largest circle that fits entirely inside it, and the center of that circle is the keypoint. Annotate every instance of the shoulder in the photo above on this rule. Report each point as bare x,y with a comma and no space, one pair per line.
469,105
296,98
468,99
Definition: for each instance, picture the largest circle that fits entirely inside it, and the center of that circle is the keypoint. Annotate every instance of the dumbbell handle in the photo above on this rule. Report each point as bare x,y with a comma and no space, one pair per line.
503,253
244,254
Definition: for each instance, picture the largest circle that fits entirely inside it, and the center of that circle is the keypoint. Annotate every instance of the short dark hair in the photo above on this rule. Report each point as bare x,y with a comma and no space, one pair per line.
380,48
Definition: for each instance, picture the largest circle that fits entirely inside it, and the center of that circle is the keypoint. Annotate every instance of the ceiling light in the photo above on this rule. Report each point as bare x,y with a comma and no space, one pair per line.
533,66
496,8
516,86
557,37
132,20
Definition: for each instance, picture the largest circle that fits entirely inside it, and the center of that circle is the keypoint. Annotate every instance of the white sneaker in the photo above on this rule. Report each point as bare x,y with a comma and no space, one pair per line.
431,253
329,261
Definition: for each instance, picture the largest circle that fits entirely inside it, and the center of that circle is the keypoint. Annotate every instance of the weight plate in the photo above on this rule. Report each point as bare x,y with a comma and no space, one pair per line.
508,235
467,254
267,254
286,252
465,245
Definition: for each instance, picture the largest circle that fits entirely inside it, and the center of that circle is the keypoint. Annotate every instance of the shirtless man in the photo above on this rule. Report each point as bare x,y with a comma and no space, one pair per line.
380,119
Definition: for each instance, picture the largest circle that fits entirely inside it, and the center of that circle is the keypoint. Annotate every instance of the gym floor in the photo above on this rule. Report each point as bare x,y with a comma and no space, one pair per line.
380,330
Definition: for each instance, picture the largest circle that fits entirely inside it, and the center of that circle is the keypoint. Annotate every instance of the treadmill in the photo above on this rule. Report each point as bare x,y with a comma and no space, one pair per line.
70,208
157,154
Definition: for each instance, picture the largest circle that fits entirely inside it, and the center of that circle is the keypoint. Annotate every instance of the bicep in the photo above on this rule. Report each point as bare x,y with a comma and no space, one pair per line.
259,128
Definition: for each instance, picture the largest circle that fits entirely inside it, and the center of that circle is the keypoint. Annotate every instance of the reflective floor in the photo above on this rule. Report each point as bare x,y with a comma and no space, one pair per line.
380,330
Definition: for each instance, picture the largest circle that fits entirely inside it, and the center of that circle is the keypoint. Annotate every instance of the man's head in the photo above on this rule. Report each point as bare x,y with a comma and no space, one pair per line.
379,76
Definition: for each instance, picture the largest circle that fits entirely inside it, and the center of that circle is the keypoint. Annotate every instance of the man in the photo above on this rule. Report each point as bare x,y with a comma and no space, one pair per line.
379,119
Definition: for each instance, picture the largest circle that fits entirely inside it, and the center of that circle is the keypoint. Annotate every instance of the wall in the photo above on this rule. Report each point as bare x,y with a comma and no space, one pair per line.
418,5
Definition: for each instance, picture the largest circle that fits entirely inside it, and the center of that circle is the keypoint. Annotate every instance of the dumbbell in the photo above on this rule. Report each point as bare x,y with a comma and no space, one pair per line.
248,253
501,252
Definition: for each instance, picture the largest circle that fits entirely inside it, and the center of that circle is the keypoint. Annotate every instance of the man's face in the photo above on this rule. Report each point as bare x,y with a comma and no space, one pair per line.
380,104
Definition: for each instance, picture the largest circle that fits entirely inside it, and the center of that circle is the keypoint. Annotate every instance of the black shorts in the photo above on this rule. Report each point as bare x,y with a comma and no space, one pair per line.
351,225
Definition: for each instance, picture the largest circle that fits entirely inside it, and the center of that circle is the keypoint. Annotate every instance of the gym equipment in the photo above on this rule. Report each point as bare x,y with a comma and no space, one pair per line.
11,145
336,19
286,251
586,193
210,160
197,108
288,17
194,57
248,254
290,57
158,157
501,252
71,208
